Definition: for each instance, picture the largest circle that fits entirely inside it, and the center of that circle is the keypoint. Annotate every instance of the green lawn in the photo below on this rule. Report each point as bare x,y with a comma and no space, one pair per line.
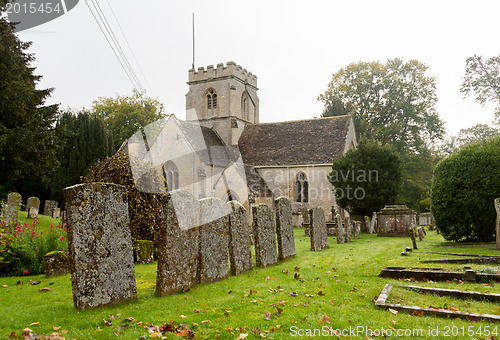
343,280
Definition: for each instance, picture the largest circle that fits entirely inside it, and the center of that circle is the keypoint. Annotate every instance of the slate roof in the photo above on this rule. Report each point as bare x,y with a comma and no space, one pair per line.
311,141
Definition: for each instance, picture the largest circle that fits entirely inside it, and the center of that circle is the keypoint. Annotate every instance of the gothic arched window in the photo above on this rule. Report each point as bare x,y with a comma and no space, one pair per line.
244,106
211,102
170,176
301,188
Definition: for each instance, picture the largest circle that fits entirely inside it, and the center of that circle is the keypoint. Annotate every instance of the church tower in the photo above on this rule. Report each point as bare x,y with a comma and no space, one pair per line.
224,99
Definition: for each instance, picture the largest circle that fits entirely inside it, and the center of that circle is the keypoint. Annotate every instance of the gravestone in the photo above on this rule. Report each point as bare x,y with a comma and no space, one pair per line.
33,213
348,230
178,248
395,220
368,225
356,229
340,229
423,230
319,237
497,228
264,236
14,199
374,223
214,242
56,263
100,245
413,237
305,215
56,213
9,213
420,233
48,208
33,202
240,248
284,228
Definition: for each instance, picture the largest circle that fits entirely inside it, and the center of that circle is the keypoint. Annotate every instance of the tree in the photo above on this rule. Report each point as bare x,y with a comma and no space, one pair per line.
124,115
393,103
367,178
478,132
483,78
83,140
464,186
27,150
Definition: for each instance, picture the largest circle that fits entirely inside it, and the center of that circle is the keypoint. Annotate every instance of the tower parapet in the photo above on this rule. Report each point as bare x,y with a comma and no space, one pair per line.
230,70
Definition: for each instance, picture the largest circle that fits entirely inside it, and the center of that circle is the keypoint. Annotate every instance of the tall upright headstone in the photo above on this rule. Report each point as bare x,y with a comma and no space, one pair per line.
340,229
356,229
497,208
100,245
319,236
284,228
33,202
374,224
48,208
15,199
369,226
348,230
214,242
264,236
178,248
240,245
9,214
413,237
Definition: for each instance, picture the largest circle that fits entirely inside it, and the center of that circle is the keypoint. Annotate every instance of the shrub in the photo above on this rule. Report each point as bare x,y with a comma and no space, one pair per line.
464,186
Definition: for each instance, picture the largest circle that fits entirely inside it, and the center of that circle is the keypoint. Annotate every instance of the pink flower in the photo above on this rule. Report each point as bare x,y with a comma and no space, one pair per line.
33,234
62,238
25,271
41,233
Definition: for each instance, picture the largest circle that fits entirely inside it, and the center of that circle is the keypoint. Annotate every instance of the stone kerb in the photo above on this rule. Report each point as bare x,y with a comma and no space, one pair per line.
319,237
178,247
497,228
100,245
14,199
264,236
48,208
240,247
340,229
214,241
284,228
33,202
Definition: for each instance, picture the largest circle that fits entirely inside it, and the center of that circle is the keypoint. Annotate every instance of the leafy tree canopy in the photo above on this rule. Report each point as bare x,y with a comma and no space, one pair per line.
124,115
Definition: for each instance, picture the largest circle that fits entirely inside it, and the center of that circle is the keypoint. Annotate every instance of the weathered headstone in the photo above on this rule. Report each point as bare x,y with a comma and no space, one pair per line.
9,213
348,230
100,245
178,247
48,208
423,230
14,199
33,202
264,236
368,225
305,216
356,229
214,242
240,248
340,229
284,228
497,228
374,224
319,236
420,233
33,213
413,238
56,213
56,263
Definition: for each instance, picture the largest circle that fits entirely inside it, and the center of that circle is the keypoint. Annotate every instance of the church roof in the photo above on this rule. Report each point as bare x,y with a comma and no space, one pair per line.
311,141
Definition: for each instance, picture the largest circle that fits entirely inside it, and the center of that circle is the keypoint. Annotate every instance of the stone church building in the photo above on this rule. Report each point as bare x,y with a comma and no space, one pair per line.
291,158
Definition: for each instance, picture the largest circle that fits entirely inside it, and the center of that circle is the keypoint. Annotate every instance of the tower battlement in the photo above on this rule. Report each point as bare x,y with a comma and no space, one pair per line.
231,69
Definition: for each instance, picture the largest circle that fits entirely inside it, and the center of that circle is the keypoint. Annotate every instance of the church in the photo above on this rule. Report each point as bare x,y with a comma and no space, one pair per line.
223,151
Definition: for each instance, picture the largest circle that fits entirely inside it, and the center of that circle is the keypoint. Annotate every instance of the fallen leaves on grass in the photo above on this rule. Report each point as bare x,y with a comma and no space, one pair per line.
326,319
267,316
44,289
35,282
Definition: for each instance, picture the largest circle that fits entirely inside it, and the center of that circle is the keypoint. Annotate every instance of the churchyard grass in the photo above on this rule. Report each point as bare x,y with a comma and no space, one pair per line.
336,288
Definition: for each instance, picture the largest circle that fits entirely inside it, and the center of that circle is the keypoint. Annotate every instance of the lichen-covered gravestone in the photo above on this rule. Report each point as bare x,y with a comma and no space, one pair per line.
497,208
33,202
420,233
15,199
56,213
319,237
240,247
214,241
100,245
340,229
413,238
9,214
48,208
56,263
33,213
374,224
356,229
178,247
284,228
368,225
348,230
264,235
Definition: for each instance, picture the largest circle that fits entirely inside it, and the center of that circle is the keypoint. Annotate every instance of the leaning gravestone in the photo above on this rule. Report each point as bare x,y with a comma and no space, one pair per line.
413,237
284,228
100,245
48,208
214,242
33,202
240,247
348,230
319,236
14,199
264,235
340,230
178,248
497,208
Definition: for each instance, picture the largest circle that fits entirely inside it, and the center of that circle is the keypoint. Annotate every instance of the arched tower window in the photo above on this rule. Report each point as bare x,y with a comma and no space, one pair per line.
211,103
301,188
170,176
244,106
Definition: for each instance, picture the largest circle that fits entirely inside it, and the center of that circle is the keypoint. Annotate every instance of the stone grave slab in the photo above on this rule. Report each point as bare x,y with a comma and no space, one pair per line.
240,247
48,208
319,237
348,230
264,236
340,229
284,228
100,245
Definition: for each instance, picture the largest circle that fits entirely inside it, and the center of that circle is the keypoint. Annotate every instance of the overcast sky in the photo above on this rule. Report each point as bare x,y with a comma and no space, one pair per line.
293,47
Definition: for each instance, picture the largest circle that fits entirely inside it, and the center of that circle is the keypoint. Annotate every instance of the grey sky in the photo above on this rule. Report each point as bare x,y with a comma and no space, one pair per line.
292,46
